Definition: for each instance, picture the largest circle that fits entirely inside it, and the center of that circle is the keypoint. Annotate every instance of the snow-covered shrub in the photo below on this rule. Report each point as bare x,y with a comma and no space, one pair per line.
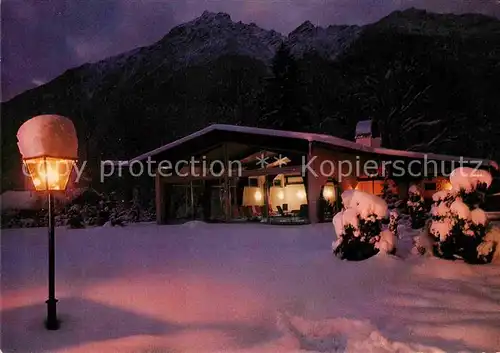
468,180
394,222
134,213
118,215
60,220
387,242
459,226
491,244
28,223
423,243
416,207
358,227
75,219
390,193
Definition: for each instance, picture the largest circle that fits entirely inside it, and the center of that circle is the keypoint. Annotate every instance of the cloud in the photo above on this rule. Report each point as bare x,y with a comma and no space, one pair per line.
45,38
38,82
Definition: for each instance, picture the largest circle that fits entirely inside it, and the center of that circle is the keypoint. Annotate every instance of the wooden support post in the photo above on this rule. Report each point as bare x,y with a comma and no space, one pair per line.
314,185
266,199
226,188
160,199
192,200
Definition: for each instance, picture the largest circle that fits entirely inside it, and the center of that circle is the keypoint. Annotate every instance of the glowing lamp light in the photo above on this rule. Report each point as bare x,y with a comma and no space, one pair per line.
328,192
49,173
49,146
281,195
447,186
258,195
301,195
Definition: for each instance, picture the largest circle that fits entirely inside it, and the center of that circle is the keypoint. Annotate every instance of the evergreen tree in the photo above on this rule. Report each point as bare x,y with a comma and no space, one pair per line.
416,207
389,194
459,227
283,95
359,227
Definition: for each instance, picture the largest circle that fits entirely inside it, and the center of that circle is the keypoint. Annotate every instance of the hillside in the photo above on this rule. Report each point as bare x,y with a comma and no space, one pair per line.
430,81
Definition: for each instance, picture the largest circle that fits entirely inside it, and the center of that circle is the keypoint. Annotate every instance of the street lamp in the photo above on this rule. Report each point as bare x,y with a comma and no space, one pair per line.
49,147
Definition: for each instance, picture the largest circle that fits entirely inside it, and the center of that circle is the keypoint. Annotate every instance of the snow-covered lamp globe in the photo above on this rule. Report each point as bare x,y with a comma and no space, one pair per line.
49,147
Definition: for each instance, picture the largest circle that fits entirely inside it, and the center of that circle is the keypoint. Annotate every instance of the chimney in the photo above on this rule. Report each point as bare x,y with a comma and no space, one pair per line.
367,134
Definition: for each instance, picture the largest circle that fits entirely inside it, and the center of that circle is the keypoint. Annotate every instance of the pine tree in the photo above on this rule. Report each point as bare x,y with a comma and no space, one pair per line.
283,106
416,207
135,211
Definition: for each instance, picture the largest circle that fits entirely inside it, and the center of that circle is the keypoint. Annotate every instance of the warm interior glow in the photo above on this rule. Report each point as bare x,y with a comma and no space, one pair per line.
329,192
293,195
249,196
447,186
49,173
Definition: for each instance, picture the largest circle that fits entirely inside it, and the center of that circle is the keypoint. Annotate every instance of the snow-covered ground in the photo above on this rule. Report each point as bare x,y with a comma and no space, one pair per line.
239,288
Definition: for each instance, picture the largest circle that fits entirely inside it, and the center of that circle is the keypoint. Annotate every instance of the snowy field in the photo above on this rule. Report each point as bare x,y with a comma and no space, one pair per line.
239,288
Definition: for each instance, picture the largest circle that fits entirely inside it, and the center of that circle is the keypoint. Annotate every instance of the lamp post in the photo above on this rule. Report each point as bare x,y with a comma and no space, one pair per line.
49,146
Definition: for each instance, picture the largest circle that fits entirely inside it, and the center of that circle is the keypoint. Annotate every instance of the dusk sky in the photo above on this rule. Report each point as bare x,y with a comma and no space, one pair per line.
43,38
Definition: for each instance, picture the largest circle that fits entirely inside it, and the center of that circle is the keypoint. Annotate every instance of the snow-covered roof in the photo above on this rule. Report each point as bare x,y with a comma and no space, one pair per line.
311,137
364,127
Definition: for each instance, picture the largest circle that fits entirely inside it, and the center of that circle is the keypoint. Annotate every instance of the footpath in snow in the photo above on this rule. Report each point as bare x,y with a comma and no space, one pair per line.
239,288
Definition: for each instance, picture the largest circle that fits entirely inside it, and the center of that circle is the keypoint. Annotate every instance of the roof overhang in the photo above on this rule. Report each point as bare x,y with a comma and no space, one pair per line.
268,138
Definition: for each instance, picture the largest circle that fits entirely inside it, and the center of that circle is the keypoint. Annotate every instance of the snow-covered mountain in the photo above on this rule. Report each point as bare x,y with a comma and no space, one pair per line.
213,35
422,22
326,42
196,42
411,68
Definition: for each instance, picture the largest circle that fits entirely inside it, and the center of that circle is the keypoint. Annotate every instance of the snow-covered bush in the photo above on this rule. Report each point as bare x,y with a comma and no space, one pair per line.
416,207
89,208
390,193
423,243
358,227
28,223
491,244
74,217
459,227
387,242
394,222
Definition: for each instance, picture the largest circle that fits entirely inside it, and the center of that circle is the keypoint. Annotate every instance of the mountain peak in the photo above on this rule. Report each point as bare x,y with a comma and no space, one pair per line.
209,16
306,26
417,21
412,12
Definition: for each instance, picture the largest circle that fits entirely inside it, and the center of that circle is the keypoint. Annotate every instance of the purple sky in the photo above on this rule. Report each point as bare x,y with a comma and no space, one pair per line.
43,38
